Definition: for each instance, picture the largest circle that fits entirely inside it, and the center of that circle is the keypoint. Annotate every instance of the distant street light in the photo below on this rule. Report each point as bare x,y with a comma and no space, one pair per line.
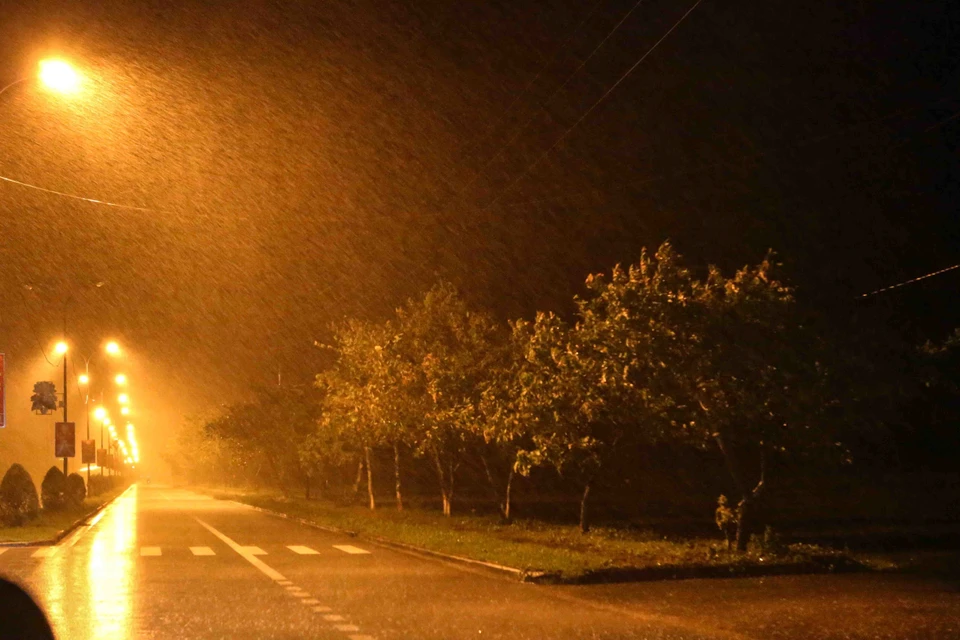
61,348
83,379
113,348
120,379
123,398
125,410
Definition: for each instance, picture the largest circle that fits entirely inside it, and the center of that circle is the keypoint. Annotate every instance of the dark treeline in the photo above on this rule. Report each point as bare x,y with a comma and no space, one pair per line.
725,377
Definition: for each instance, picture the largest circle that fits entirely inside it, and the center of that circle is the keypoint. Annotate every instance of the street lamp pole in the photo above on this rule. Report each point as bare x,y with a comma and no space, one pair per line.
66,393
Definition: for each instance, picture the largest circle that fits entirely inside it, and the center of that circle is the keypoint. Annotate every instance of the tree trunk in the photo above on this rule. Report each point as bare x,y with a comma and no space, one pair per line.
494,490
356,483
446,492
396,475
306,484
506,502
366,455
747,498
584,523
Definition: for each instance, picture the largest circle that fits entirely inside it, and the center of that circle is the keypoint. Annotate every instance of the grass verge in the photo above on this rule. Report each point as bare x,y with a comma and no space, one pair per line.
48,524
553,552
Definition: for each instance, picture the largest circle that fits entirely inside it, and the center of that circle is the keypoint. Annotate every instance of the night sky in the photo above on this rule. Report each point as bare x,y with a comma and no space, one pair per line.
299,162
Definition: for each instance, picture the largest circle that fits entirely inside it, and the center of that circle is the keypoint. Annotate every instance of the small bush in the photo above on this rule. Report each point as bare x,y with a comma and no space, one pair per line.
76,491
53,490
100,484
18,497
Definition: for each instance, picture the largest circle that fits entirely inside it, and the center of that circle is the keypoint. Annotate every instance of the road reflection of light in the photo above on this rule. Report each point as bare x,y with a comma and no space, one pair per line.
110,571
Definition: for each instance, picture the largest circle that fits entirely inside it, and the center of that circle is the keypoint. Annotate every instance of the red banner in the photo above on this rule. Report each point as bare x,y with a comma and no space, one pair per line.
88,451
65,440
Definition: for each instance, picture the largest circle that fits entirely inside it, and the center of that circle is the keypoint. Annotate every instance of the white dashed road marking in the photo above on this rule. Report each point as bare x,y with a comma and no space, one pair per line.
321,609
360,637
3,550
202,551
255,551
352,550
268,571
304,551
333,618
150,551
346,627
44,552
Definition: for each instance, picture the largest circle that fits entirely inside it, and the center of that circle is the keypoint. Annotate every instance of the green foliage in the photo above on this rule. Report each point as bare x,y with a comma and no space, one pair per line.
53,490
75,491
654,354
18,497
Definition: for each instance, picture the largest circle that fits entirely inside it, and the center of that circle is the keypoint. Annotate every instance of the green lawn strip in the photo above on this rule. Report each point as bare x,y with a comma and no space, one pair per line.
49,524
528,545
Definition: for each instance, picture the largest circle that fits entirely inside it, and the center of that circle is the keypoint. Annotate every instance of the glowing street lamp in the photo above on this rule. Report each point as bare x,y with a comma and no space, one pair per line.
61,348
125,410
59,76
101,414
121,379
123,398
113,348
83,379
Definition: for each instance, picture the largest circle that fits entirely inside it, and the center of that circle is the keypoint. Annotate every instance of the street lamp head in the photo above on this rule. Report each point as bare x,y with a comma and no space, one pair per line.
83,379
61,348
120,379
100,414
59,76
125,410
113,348
123,398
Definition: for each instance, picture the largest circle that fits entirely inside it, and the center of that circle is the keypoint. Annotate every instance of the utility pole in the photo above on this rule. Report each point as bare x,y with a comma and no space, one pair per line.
65,394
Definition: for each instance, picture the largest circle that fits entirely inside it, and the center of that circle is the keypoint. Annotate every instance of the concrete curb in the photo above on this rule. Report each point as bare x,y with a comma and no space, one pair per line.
63,533
816,565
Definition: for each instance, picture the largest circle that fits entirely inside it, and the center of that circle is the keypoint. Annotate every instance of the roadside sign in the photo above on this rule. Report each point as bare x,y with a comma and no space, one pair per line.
88,451
3,390
101,457
65,442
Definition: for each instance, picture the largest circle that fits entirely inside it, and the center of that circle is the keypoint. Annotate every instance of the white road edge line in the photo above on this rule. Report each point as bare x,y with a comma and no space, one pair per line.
273,574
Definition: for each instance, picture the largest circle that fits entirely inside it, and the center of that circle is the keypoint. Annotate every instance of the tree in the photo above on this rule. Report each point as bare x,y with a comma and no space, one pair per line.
446,352
723,360
52,490
18,497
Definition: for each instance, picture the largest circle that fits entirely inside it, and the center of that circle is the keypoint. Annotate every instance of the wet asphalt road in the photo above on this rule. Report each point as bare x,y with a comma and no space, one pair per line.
162,562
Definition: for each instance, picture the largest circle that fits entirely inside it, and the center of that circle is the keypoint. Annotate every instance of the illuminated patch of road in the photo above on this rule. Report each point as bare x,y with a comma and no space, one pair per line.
303,596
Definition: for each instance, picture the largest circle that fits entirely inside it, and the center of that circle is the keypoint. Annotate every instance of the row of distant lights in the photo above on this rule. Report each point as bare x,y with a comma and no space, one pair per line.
132,454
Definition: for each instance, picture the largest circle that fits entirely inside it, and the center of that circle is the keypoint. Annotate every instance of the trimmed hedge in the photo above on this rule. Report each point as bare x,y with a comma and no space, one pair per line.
53,490
18,497
76,491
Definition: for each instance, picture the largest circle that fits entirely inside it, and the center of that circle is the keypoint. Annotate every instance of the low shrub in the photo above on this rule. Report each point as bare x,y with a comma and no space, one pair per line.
18,497
53,490
76,491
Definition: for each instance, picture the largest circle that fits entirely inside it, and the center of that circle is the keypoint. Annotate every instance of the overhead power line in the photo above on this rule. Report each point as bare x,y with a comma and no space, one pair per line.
910,281
543,67
76,197
587,113
543,105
